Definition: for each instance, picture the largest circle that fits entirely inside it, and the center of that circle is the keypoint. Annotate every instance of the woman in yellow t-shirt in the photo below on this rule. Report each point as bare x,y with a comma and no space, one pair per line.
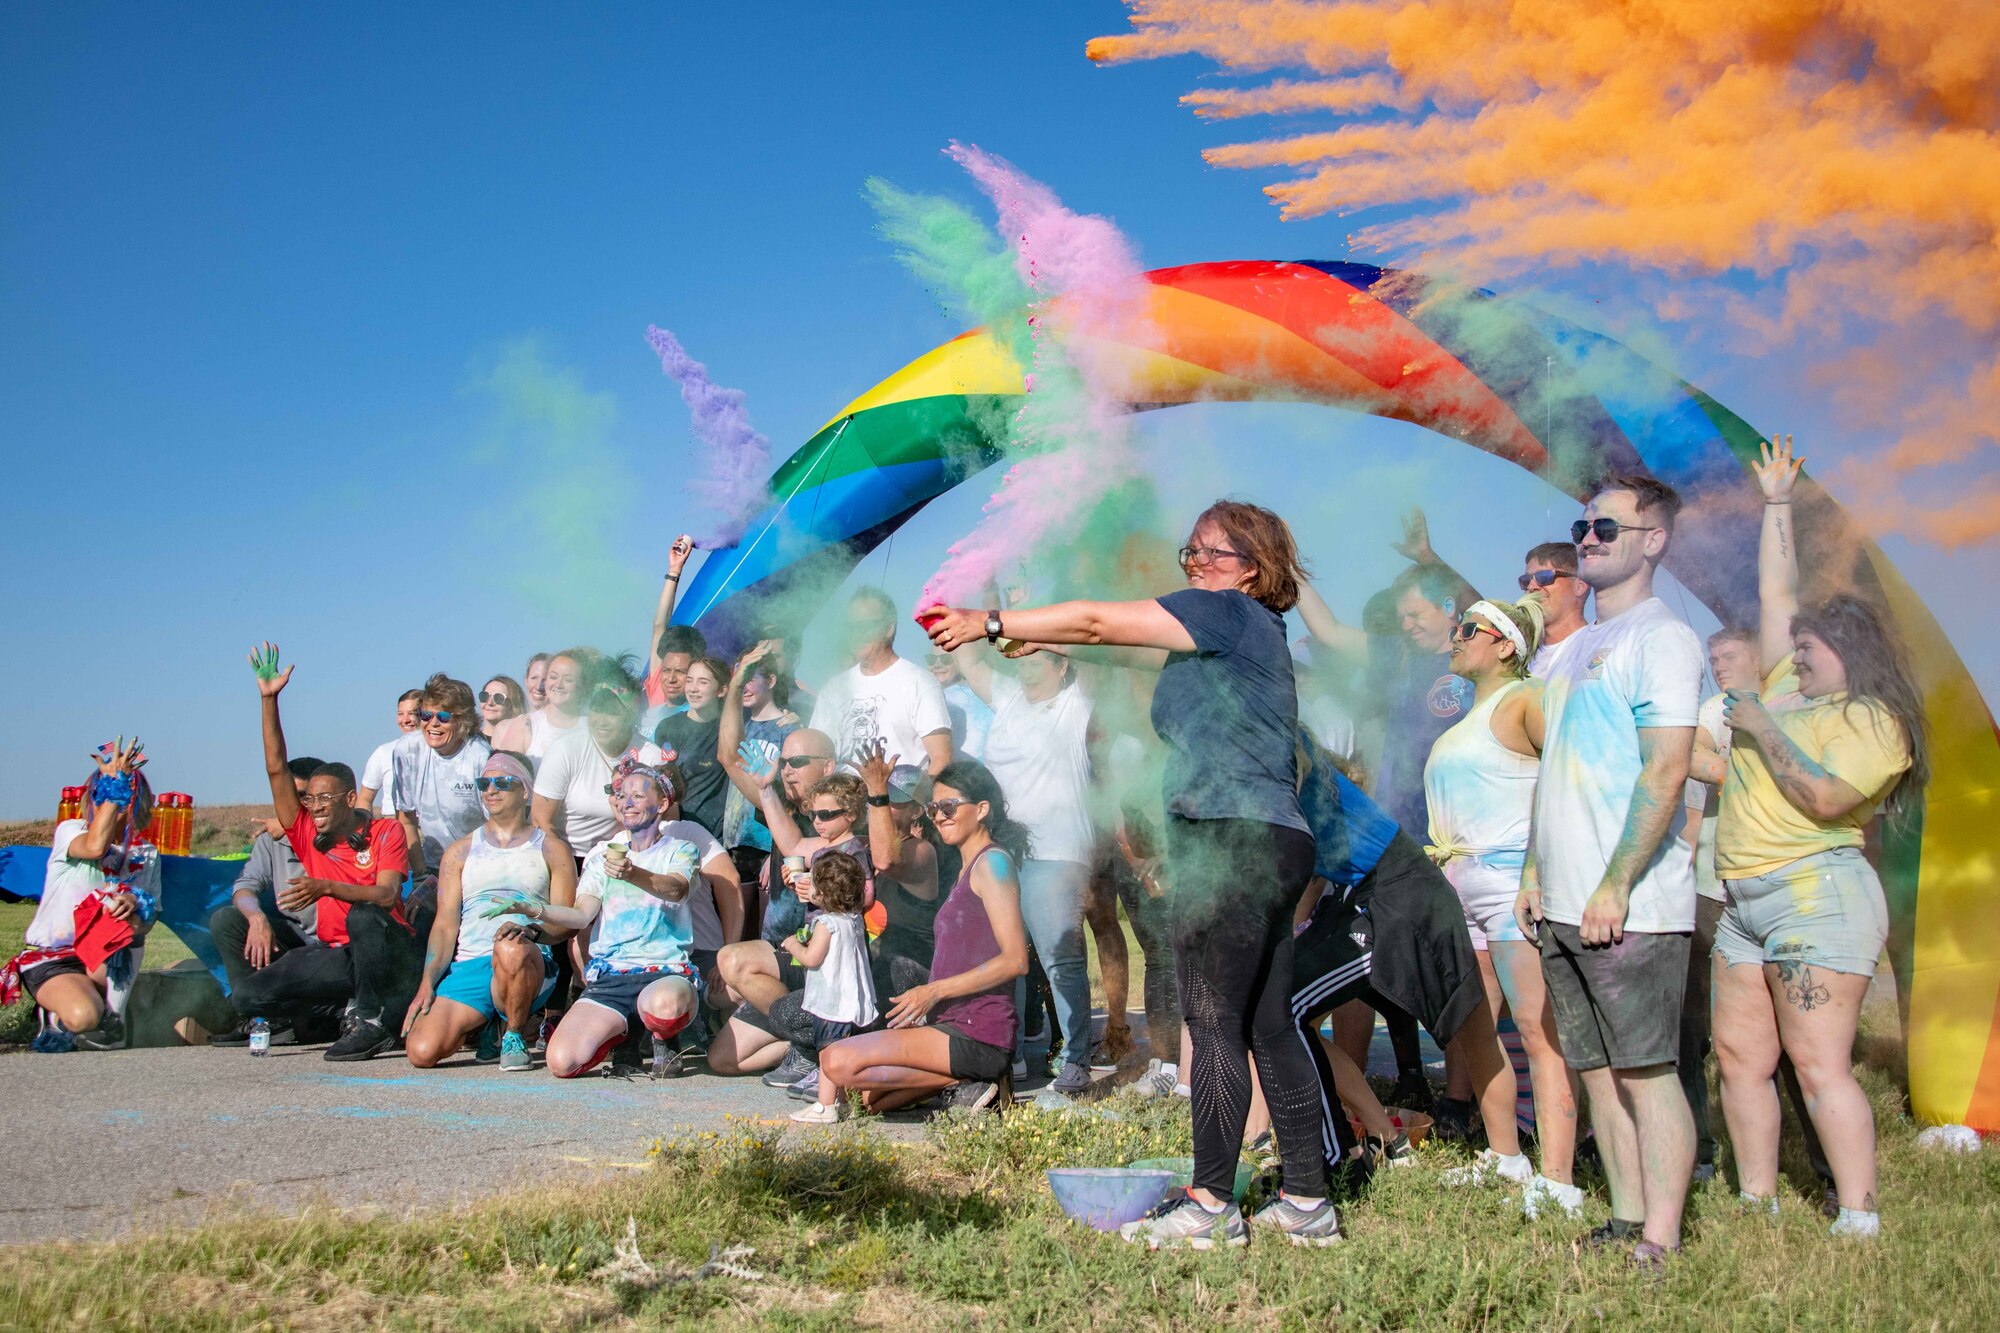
1805,919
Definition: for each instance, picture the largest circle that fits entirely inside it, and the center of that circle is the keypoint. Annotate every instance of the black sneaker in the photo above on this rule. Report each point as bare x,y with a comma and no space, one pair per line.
364,1040
1412,1092
795,1066
239,1036
979,1095
109,1036
1452,1119
1614,1232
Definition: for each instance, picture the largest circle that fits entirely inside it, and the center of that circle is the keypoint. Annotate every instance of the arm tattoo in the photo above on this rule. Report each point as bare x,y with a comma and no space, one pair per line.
1796,775
1784,537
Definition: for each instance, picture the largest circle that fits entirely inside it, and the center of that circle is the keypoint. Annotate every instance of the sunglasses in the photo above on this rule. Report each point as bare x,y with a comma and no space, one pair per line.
1541,578
1206,555
1470,629
495,697
498,784
441,715
826,816
801,760
1605,529
947,808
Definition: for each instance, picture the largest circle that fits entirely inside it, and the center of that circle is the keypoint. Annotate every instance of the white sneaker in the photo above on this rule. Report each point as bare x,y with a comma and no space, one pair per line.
1857,1224
1157,1081
817,1114
1490,1166
1544,1194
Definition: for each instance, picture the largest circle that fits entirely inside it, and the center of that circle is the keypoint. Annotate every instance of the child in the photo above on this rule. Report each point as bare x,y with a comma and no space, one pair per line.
833,948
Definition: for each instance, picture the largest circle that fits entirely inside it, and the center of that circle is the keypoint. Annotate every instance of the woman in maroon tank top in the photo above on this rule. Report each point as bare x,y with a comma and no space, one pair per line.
957,1028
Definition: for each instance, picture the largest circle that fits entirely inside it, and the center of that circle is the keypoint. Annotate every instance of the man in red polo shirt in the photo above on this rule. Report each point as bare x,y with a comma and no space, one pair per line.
354,869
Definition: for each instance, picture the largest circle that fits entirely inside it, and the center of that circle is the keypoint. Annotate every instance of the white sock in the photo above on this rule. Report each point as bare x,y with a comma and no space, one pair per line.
1768,1202
1514,1166
119,977
1857,1222
1305,1205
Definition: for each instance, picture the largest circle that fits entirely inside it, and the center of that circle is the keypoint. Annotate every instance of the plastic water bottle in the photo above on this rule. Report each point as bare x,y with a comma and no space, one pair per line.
260,1037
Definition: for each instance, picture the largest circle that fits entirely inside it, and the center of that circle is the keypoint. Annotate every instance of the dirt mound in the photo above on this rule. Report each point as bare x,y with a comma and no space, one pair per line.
218,829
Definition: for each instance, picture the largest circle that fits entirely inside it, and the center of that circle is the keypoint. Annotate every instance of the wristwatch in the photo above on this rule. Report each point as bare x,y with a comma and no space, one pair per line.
881,800
992,626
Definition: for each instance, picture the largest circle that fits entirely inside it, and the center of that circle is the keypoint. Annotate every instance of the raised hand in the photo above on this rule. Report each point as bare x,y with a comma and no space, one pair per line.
759,764
270,679
757,653
678,553
1416,544
1777,468
875,767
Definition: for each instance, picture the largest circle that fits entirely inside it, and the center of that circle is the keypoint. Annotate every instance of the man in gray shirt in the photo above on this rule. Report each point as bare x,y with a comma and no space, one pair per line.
250,929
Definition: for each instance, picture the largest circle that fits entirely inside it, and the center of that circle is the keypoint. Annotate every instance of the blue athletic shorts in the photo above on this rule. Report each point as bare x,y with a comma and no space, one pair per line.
469,982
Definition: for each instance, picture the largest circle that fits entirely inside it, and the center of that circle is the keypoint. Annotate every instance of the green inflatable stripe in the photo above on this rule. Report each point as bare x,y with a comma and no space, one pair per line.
916,430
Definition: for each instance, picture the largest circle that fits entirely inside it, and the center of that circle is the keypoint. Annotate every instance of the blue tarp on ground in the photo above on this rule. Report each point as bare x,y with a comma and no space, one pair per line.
191,888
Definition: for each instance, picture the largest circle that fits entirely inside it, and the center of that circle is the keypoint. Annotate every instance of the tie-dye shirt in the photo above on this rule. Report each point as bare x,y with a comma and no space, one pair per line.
634,930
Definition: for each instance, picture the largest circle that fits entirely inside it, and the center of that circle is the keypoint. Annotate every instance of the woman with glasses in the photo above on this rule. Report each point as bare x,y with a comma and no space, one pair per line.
434,768
769,1016
1805,919
480,964
564,694
1479,786
1239,850
501,699
632,898
955,1031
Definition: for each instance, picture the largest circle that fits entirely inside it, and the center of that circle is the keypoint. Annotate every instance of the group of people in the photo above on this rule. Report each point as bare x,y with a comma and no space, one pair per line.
1486,817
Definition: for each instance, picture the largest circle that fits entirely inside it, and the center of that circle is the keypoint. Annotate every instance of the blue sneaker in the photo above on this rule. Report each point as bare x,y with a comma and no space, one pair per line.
514,1057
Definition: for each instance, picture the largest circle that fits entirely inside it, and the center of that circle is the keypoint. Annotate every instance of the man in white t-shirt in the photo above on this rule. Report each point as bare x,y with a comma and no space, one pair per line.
377,791
1608,889
882,697
1549,576
436,768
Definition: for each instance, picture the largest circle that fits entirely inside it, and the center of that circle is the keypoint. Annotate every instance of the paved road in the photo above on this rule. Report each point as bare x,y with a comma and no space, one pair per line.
169,1133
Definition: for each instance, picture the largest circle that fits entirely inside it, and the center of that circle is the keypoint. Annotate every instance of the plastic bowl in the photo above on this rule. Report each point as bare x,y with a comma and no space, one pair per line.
1107,1197
1183,1171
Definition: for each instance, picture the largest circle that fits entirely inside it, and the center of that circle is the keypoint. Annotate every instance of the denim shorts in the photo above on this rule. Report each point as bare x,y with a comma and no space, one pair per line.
469,981
1826,909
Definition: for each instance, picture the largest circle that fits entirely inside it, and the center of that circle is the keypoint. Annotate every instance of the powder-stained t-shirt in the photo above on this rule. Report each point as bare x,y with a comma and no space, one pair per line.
1425,702
576,772
439,790
1641,669
1227,712
1857,741
67,883
898,705
635,930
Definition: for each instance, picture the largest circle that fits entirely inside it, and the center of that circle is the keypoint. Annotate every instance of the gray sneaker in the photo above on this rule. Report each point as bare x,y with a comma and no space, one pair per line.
806,1089
795,1066
514,1057
1301,1226
1074,1078
1181,1221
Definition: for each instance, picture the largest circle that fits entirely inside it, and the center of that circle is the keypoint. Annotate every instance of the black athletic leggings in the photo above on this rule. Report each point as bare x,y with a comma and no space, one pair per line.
1235,885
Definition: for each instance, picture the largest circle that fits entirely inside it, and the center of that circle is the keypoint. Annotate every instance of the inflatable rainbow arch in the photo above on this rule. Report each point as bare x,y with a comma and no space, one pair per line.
1562,402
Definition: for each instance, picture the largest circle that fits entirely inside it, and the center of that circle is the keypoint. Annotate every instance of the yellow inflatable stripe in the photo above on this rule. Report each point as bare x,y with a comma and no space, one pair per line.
972,363
1955,969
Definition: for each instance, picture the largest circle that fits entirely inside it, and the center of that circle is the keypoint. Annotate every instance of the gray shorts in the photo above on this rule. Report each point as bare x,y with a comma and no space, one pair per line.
1620,1005
1827,909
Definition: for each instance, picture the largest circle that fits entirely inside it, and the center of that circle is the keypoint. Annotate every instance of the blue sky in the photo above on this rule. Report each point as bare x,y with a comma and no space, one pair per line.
258,265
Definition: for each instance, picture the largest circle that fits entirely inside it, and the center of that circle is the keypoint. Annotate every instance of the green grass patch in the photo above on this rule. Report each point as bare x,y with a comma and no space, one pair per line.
853,1230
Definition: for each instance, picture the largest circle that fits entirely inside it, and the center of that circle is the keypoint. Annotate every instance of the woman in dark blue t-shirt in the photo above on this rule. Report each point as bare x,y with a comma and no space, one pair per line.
1238,848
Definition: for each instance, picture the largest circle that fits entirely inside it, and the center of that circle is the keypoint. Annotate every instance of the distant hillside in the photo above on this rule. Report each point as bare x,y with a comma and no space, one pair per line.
217,829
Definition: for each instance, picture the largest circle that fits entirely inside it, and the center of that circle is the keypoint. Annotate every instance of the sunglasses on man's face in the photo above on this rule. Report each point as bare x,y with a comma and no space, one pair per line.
494,697
1605,530
498,784
801,760
947,808
440,715
1540,578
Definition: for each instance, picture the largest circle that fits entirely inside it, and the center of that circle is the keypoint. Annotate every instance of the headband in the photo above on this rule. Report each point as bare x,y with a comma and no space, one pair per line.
628,766
511,766
1503,622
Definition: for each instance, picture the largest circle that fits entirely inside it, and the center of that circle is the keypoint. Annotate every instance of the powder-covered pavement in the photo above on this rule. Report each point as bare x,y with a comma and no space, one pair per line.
99,1140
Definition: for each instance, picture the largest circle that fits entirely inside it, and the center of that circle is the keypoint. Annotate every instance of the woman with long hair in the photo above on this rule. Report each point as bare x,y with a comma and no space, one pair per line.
501,700
573,797
1805,918
1479,786
1238,847
566,687
957,1029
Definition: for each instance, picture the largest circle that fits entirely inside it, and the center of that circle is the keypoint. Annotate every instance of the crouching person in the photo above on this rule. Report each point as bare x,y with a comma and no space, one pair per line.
479,964
100,896
633,900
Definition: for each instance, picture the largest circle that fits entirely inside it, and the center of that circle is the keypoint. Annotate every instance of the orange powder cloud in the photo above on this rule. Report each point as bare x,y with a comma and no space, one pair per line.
1840,159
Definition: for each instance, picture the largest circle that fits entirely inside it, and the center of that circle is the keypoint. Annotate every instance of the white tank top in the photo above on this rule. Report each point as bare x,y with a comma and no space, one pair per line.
542,733
842,988
1480,793
496,872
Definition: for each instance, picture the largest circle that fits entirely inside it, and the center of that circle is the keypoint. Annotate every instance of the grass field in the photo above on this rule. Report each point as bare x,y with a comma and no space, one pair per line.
850,1230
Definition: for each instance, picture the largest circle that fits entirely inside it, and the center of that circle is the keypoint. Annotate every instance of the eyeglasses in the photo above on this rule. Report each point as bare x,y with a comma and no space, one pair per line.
1469,629
801,760
441,714
498,784
827,816
494,697
1206,555
1606,529
1540,578
947,808
321,802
